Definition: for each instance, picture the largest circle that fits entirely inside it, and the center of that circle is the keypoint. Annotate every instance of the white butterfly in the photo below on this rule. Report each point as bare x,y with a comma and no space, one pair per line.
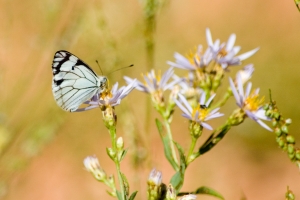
74,82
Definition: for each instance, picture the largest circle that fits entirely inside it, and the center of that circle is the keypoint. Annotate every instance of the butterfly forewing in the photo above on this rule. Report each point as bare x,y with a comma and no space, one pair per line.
74,82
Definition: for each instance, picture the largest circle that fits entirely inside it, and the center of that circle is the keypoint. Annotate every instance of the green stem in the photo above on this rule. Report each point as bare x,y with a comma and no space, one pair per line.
113,135
192,147
223,100
169,133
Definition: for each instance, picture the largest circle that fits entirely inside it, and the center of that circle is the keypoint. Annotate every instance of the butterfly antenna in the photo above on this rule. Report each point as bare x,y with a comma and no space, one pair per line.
99,67
121,68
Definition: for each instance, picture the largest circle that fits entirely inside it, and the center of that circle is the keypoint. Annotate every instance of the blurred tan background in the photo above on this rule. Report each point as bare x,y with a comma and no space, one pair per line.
45,146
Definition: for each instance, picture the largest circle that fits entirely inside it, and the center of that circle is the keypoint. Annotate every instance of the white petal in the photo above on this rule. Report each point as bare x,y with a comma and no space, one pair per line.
185,102
230,42
247,54
209,38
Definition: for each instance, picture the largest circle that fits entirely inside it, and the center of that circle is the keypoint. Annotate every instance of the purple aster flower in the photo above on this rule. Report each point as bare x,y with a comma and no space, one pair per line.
154,82
249,102
92,165
193,61
155,177
155,85
225,53
200,113
187,85
111,97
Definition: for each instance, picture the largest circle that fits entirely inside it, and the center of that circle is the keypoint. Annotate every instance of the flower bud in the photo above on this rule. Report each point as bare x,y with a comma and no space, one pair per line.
92,165
109,116
111,153
154,185
290,139
171,193
290,149
284,129
277,131
120,143
195,129
288,121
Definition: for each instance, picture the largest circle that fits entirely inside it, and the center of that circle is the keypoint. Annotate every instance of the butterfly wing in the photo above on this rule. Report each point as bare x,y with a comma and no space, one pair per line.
74,82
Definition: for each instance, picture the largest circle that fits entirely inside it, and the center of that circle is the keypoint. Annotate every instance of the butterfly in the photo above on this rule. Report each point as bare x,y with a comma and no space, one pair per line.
74,82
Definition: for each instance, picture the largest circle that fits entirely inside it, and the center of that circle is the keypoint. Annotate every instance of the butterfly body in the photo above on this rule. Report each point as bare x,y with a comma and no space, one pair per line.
74,82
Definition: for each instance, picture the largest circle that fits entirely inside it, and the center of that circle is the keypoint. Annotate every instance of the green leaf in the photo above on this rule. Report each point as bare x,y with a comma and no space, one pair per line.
213,140
204,190
111,193
166,142
126,184
132,196
119,195
123,155
178,178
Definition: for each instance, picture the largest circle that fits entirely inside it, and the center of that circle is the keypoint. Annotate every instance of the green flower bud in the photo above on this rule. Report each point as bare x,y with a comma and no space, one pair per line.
195,129
290,139
266,107
290,149
269,113
291,156
297,154
284,129
277,131
171,193
281,141
276,115
289,195
111,153
120,143
274,122
288,121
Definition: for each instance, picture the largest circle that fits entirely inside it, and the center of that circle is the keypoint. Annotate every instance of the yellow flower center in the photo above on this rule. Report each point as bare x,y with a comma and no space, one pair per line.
193,56
202,110
223,52
106,94
252,102
151,78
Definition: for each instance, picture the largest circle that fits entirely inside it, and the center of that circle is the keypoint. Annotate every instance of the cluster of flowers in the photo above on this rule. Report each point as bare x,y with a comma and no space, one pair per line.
194,96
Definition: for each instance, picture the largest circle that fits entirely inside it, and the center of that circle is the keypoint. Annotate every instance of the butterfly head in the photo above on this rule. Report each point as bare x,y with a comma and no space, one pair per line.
103,83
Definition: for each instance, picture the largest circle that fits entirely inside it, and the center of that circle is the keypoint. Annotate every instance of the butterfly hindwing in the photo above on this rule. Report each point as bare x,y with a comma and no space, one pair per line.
74,82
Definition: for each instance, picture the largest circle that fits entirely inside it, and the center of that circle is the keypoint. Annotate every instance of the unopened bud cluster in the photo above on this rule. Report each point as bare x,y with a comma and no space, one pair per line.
119,152
289,195
285,140
154,185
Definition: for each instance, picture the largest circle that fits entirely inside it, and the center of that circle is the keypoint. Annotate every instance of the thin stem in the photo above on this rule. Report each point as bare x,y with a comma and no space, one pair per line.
192,147
223,100
169,133
112,132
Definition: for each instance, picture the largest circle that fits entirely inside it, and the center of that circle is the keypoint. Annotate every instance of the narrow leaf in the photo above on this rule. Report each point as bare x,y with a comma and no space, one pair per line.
119,195
166,142
178,178
204,190
132,196
213,140
123,155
